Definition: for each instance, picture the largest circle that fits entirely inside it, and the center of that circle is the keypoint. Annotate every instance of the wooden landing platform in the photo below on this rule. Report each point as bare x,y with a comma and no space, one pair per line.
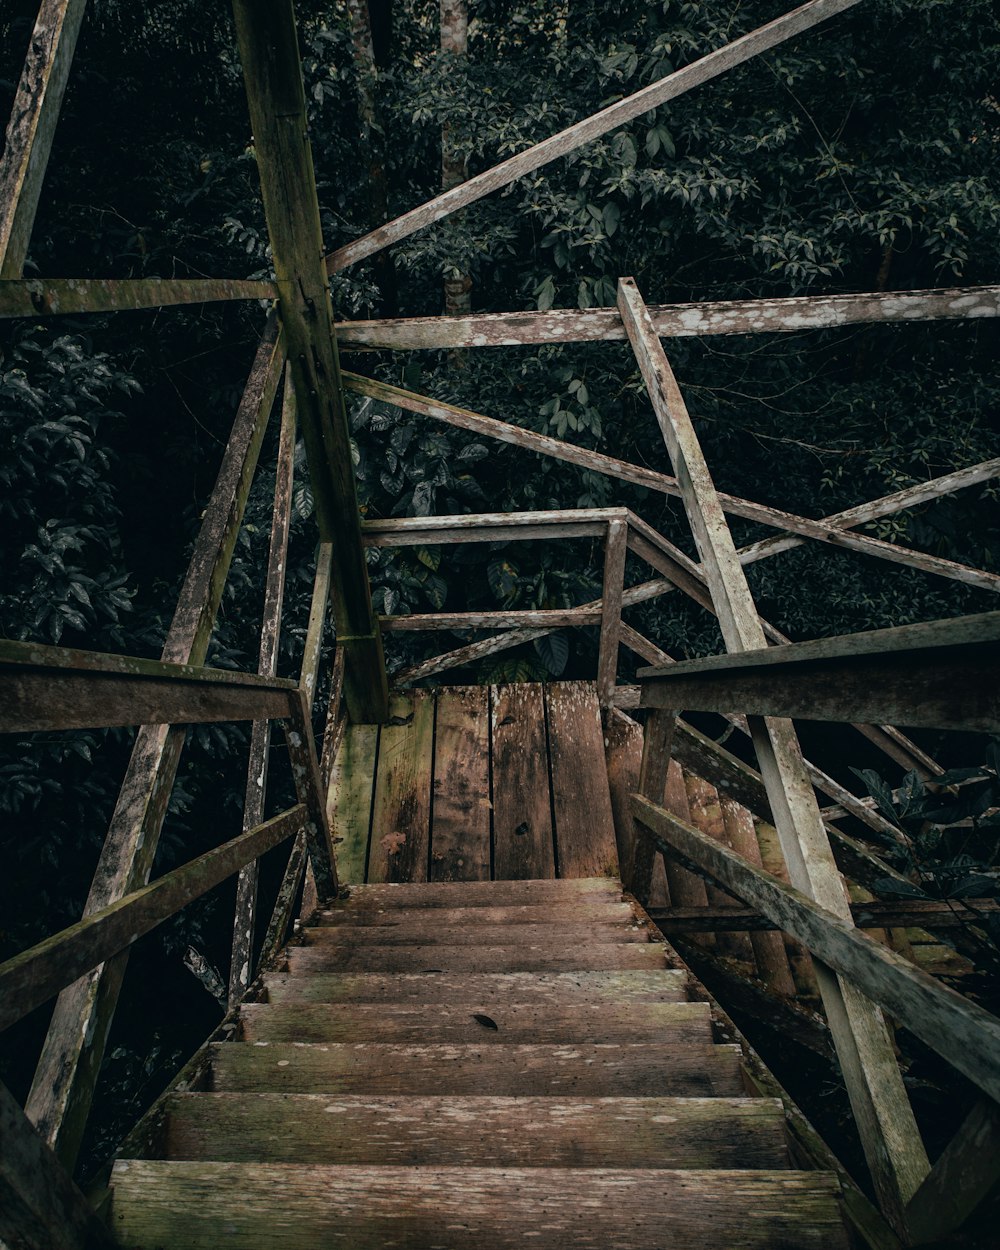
476,783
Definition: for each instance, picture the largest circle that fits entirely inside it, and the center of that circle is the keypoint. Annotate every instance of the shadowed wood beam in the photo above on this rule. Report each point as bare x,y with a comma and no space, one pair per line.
554,618
878,1097
33,977
272,73
39,1204
939,674
32,125
906,914
964,1034
56,297
615,551
566,141
74,1046
483,527
962,1179
833,529
760,316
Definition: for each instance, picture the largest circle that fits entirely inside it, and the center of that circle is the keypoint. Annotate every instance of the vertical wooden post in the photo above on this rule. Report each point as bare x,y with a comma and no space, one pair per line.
615,547
33,124
657,740
885,1119
272,73
245,911
309,788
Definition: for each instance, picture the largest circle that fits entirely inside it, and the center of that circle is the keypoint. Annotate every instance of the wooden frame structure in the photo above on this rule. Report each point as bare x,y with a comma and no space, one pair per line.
85,963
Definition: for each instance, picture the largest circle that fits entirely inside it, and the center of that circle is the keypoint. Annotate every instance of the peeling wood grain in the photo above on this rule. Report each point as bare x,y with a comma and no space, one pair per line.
401,814
461,811
523,842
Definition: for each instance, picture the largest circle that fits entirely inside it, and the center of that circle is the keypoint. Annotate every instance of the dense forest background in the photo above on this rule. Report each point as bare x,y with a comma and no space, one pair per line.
861,157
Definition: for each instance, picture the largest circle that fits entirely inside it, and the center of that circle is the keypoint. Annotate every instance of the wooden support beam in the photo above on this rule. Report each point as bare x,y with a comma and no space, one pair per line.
964,1034
657,739
615,550
268,44
40,1207
32,125
943,674
486,527
33,977
245,909
74,1046
888,1130
549,618
63,297
569,140
963,1178
834,530
754,316
309,788
934,914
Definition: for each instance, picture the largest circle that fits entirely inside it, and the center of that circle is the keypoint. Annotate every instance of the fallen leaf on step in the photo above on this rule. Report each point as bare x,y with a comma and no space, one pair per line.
393,842
485,1021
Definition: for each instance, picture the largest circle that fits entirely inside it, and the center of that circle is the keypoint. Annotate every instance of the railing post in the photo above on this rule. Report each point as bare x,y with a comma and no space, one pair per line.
657,740
615,547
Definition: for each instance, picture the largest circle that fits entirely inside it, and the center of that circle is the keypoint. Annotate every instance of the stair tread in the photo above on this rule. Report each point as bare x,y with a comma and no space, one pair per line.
466,1068
490,893
577,911
607,987
470,1022
214,1206
569,956
478,1130
553,933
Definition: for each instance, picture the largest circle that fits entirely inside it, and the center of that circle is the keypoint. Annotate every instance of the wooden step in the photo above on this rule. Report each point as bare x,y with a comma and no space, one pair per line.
201,1205
585,1070
478,1131
527,935
470,1022
606,911
553,957
484,893
490,989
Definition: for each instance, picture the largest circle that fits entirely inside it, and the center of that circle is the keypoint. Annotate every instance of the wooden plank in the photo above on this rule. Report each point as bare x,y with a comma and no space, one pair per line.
656,742
615,549
64,297
963,1033
705,812
683,1023
875,914
32,126
461,810
683,887
523,842
573,137
878,1097
483,1131
623,759
581,800
36,975
39,1204
457,1208
554,618
612,1069
942,674
431,919
490,989
304,761
272,72
561,932
71,1057
481,893
553,957
401,811
349,800
753,316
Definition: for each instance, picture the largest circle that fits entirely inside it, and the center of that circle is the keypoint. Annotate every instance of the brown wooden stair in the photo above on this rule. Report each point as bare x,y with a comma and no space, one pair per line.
476,1064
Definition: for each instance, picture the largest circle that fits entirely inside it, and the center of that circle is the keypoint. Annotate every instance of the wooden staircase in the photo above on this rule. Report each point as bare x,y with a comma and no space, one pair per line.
483,1064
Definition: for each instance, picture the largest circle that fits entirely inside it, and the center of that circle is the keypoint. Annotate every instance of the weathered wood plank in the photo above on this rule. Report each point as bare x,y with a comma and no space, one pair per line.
401,812
683,887
941,674
878,1097
304,761
523,843
64,297
683,1023
457,1208
623,759
349,800
701,71
956,1028
615,549
431,919
532,935
581,799
657,738
756,316
34,976
553,957
272,73
480,893
461,811
595,1070
548,618
705,812
484,1131
71,1057
39,1204
32,126
895,913
491,989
